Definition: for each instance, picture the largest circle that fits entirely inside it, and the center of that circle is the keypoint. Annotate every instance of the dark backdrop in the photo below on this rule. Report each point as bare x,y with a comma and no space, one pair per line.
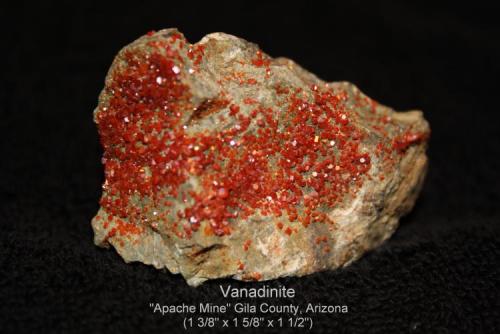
439,273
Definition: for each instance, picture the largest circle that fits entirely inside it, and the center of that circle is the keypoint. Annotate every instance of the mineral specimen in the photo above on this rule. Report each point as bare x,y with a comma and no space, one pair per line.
223,162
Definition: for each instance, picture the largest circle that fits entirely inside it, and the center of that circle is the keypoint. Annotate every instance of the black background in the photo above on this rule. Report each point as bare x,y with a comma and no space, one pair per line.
439,273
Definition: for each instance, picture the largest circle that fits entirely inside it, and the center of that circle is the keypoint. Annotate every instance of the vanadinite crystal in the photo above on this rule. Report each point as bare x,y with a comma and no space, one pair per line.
223,162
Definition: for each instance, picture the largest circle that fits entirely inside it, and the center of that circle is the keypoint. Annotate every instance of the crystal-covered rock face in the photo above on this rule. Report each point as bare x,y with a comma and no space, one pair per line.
223,162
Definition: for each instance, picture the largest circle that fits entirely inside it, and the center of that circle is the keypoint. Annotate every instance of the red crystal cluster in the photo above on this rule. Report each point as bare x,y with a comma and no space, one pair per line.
299,158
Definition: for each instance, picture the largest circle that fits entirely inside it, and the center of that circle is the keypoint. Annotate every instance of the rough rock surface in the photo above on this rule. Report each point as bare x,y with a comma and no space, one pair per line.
223,162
